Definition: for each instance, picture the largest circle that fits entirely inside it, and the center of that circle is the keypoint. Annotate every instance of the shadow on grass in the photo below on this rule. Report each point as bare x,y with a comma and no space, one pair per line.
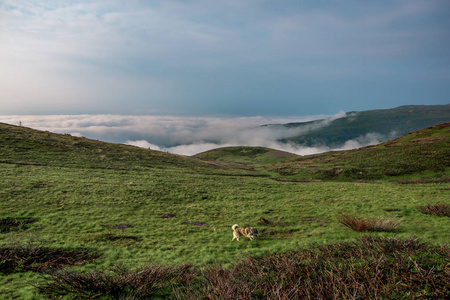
111,236
12,224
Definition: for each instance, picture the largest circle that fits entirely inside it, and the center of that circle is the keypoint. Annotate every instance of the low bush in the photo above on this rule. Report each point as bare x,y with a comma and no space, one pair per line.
369,268
118,283
441,209
30,257
367,224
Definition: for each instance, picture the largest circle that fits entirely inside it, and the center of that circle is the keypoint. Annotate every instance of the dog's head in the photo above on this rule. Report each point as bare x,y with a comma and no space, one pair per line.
234,226
253,232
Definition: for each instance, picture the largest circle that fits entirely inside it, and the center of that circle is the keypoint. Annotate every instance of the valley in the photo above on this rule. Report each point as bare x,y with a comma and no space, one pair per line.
138,207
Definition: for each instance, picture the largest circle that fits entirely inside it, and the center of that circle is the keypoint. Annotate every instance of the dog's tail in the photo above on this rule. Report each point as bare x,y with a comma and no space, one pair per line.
234,226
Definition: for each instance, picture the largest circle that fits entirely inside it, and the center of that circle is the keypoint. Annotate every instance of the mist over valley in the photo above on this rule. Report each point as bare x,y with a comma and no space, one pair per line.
190,135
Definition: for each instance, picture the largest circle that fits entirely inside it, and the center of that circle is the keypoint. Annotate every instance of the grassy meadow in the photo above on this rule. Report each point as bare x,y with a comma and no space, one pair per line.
138,207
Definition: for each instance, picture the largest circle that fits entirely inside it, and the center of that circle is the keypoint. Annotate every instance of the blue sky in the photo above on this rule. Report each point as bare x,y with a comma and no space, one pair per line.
238,58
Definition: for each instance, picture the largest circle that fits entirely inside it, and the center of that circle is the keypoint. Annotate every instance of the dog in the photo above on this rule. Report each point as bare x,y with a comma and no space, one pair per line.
250,232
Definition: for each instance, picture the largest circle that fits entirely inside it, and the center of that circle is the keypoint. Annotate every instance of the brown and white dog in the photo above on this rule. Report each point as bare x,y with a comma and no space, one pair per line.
250,232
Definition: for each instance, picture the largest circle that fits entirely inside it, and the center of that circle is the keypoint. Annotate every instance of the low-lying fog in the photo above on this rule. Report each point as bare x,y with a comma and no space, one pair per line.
189,135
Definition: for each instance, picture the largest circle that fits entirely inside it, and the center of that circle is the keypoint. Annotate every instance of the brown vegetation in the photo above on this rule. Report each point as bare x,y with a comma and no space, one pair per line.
441,209
366,224
371,268
368,268
118,283
22,258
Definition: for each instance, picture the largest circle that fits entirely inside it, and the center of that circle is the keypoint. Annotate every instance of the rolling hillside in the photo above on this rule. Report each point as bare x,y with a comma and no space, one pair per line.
386,124
108,214
423,153
20,145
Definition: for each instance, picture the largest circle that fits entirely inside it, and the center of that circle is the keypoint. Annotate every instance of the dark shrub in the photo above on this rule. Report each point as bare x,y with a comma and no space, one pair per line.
369,268
118,283
441,209
30,257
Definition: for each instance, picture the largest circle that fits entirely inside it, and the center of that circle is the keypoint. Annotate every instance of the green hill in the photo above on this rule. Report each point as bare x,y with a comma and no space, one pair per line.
423,153
387,124
20,145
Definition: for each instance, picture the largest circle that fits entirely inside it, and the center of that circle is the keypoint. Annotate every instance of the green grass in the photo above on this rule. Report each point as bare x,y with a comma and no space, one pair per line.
73,207
78,201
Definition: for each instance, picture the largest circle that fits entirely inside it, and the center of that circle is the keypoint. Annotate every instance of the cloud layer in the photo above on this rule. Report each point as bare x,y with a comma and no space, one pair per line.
187,135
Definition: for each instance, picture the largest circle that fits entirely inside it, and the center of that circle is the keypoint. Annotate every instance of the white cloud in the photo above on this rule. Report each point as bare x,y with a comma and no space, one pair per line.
371,138
181,134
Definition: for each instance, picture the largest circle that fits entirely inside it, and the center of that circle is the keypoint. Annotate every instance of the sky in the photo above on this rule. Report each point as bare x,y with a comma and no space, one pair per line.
198,66
234,57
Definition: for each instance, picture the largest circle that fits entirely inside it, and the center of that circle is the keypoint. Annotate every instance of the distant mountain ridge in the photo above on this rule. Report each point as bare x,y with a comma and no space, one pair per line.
382,125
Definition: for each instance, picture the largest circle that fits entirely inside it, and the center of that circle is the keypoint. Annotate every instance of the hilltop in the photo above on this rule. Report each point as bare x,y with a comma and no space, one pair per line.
246,156
385,124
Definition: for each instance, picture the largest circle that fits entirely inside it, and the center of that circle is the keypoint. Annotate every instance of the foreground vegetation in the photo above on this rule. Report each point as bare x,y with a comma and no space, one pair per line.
134,207
366,268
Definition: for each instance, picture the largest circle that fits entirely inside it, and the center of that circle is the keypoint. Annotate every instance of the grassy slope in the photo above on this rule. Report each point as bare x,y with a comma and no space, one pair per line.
78,190
424,153
421,154
397,121
21,145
